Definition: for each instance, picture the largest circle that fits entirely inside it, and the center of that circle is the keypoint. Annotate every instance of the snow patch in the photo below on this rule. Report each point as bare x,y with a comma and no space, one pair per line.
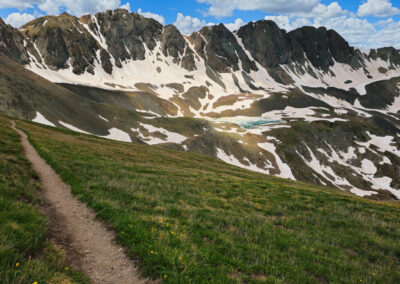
285,171
382,143
42,120
232,160
171,137
103,118
118,135
114,133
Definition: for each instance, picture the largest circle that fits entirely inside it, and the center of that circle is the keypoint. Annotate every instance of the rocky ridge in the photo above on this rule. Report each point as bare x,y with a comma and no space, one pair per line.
303,105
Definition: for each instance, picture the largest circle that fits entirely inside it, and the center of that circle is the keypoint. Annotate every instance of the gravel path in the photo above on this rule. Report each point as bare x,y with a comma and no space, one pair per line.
96,253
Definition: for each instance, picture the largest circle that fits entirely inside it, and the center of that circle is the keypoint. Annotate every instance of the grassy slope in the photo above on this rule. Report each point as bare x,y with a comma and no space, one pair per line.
25,257
190,218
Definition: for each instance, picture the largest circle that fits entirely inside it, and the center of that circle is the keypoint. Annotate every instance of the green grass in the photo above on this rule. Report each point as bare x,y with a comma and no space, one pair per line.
193,219
25,256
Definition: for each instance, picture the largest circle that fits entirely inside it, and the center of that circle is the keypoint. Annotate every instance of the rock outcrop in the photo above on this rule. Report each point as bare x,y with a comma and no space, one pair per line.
12,43
272,46
220,50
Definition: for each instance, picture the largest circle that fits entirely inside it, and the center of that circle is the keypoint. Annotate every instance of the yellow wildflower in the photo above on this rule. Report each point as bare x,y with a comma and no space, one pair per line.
152,252
17,264
165,276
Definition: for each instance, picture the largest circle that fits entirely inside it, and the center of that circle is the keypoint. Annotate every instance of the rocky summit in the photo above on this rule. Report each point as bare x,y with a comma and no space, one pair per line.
301,105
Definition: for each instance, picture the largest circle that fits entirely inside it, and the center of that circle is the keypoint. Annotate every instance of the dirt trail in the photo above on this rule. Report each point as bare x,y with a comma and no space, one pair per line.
92,243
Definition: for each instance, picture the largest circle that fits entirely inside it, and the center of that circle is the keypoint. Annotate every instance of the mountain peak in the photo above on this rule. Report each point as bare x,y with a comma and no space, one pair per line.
12,43
310,82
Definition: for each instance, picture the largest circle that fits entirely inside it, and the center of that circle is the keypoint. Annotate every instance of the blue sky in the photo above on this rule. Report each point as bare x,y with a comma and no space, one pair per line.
364,23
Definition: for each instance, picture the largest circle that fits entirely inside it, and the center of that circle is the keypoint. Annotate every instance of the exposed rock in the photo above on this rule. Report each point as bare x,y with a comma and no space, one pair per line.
389,54
61,41
220,49
193,95
105,61
126,34
173,44
12,43
272,46
267,44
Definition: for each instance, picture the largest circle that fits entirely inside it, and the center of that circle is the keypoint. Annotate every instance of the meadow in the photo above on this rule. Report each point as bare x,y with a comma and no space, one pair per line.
189,218
26,253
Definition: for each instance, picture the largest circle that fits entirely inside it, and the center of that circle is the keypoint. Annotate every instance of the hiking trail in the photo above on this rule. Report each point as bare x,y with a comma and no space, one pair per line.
88,240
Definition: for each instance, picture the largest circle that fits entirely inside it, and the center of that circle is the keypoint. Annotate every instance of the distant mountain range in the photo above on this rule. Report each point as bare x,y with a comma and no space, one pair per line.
302,105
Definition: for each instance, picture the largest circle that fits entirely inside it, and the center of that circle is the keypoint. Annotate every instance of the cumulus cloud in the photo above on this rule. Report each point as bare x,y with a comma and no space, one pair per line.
323,11
388,34
355,30
378,8
126,6
76,7
235,25
19,4
288,23
17,19
188,24
224,8
282,21
156,17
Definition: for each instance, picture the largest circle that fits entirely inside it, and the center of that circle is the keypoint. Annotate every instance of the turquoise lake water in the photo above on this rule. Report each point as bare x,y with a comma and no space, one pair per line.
256,123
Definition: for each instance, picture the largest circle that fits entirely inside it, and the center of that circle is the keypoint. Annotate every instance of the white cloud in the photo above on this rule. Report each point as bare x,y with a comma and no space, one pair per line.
388,34
156,17
78,7
355,30
188,24
19,4
126,6
235,25
378,8
17,19
289,23
224,8
50,7
322,11
282,21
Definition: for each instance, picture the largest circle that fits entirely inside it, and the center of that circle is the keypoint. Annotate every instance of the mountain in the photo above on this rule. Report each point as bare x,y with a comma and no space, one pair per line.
302,105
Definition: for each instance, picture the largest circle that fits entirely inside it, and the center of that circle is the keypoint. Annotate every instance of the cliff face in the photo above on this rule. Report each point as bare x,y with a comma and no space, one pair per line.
113,37
108,38
272,46
12,43
220,50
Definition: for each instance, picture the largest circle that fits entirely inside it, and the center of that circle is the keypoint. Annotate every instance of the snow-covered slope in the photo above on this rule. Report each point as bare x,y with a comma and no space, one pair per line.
302,105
